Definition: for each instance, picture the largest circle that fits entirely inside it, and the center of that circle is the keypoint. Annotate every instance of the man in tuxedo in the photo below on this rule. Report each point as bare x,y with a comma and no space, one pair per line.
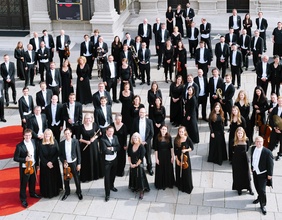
70,157
103,114
43,55
261,27
262,167
109,146
144,55
101,92
273,102
87,50
49,43
73,115
263,73
256,48
244,43
156,28
188,15
137,45
26,107
35,41
54,114
54,80
26,151
215,82
203,58
145,32
101,49
30,60
2,118
222,52
110,76
235,22
231,37
43,97
95,39
236,61
192,34
8,70
128,40
202,83
205,30
62,41
144,127
161,37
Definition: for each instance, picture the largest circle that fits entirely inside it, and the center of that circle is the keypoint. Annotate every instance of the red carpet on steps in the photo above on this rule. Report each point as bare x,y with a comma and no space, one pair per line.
10,136
9,192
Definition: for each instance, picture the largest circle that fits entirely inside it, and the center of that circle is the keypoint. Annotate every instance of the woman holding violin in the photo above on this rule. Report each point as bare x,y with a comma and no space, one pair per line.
180,57
183,172
50,174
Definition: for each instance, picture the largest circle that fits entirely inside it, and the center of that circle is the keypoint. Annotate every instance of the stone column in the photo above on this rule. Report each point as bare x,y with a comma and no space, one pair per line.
211,6
38,16
162,6
148,7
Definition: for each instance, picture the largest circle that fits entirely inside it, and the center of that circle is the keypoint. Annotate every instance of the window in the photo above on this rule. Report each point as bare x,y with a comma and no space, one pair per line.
69,9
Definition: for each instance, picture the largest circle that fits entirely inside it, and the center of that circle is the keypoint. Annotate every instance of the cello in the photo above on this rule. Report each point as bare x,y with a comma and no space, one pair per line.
265,131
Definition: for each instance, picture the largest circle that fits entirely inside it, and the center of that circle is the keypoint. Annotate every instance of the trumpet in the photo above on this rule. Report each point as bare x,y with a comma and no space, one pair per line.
219,93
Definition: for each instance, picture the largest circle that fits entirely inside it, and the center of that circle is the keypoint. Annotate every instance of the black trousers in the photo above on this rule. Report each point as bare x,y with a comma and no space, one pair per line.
192,47
2,107
13,87
256,58
42,67
29,74
112,84
148,156
204,67
263,36
161,53
145,68
274,139
24,180
260,185
90,63
51,54
264,85
76,179
221,66
227,108
245,57
168,67
62,57
202,100
110,175
55,90
275,87
56,131
236,71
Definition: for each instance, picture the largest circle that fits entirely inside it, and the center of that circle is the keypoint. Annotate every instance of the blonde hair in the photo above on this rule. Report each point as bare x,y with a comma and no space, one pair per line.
83,58
244,138
246,101
138,136
88,115
44,140
239,120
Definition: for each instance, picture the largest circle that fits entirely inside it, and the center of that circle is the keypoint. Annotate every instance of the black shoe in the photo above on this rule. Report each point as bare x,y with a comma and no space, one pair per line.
141,195
254,70
158,68
65,197
238,87
7,104
24,204
15,102
166,81
107,198
114,189
80,197
205,119
3,119
35,196
116,101
151,172
142,83
251,192
148,83
32,84
239,192
277,158
263,210
246,69
256,201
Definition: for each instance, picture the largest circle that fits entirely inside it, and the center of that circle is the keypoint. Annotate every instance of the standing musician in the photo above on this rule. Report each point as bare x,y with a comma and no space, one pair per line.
101,54
144,55
137,46
235,22
30,61
145,31
156,28
126,53
161,37
54,80
2,102
188,15
25,107
62,42
236,62
215,82
222,53
49,43
87,50
43,55
205,30
43,97
263,73
203,58
35,41
244,43
192,34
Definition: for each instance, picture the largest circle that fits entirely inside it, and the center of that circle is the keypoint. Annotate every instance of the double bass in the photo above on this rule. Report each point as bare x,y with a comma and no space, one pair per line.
265,131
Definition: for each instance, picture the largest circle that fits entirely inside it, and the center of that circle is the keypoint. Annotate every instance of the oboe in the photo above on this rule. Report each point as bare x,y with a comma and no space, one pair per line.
95,136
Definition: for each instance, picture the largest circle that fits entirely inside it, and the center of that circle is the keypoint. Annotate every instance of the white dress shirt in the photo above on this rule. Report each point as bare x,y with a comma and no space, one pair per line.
202,58
104,109
256,158
202,86
39,122
110,157
62,42
264,75
142,128
71,112
68,151
112,69
53,78
30,150
235,24
234,58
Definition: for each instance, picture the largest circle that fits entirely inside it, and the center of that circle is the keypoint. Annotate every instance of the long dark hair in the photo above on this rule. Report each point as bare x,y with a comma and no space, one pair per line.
213,115
167,136
262,98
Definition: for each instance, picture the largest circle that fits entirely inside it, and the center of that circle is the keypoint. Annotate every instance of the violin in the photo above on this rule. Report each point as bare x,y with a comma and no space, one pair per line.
67,51
29,168
178,65
265,131
184,161
67,174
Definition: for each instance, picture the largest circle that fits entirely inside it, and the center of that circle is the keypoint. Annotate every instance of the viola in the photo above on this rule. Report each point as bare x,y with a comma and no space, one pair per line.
67,51
265,131
184,161
29,169
67,174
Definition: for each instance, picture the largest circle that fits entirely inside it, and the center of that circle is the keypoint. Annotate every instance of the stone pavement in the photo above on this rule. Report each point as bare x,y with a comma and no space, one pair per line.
212,197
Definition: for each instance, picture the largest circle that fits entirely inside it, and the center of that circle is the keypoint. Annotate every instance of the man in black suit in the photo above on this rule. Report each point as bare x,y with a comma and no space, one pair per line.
137,45
103,114
62,41
144,127
145,32
261,27
126,53
156,28
222,52
256,48
161,36
101,92
190,82
43,97
43,55
263,73
30,60
49,43
262,167
73,115
215,82
110,76
26,107
144,55
2,102
87,50
235,22
231,37
35,41
8,73
54,114
192,34
203,58
54,80
95,39
27,151
109,146
101,49
188,15
70,157
244,42
205,30
236,61
202,83
128,40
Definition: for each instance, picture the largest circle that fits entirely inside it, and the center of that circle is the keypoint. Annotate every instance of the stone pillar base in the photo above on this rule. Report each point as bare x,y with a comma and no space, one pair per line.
211,6
148,7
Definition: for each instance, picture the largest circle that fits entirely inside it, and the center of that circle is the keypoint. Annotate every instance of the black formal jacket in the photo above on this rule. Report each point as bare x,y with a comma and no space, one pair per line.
59,114
247,41
41,55
5,73
196,87
59,44
239,58
96,99
57,79
207,56
228,94
227,38
50,41
75,151
231,24
77,114
33,125
131,42
159,36
21,153
141,30
129,57
272,113
105,143
220,83
219,52
263,25
2,89
28,59
92,39
155,30
259,70
134,45
206,84
196,33
191,14
104,46
149,133
32,42
23,107
208,29
265,161
259,45
107,72
83,49
147,55
100,117
40,100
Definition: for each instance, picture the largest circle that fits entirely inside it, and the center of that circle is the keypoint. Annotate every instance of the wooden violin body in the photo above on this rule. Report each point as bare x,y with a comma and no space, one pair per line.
265,131
29,168
67,173
67,51
184,162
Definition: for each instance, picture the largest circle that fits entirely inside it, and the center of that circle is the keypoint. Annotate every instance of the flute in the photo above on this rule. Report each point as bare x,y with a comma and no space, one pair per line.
95,136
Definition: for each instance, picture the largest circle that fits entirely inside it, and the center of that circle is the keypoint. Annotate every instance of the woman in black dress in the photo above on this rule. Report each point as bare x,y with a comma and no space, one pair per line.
67,86
183,174
137,178
158,117
136,106
178,19
116,50
240,163
217,146
91,167
19,56
190,116
277,40
247,24
121,133
152,94
50,174
180,57
236,120
164,155
275,75
169,20
168,60
126,99
83,90
175,93
125,75
175,37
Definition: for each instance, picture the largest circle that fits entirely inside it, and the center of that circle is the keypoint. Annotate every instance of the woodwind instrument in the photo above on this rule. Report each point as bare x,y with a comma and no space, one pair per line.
94,136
